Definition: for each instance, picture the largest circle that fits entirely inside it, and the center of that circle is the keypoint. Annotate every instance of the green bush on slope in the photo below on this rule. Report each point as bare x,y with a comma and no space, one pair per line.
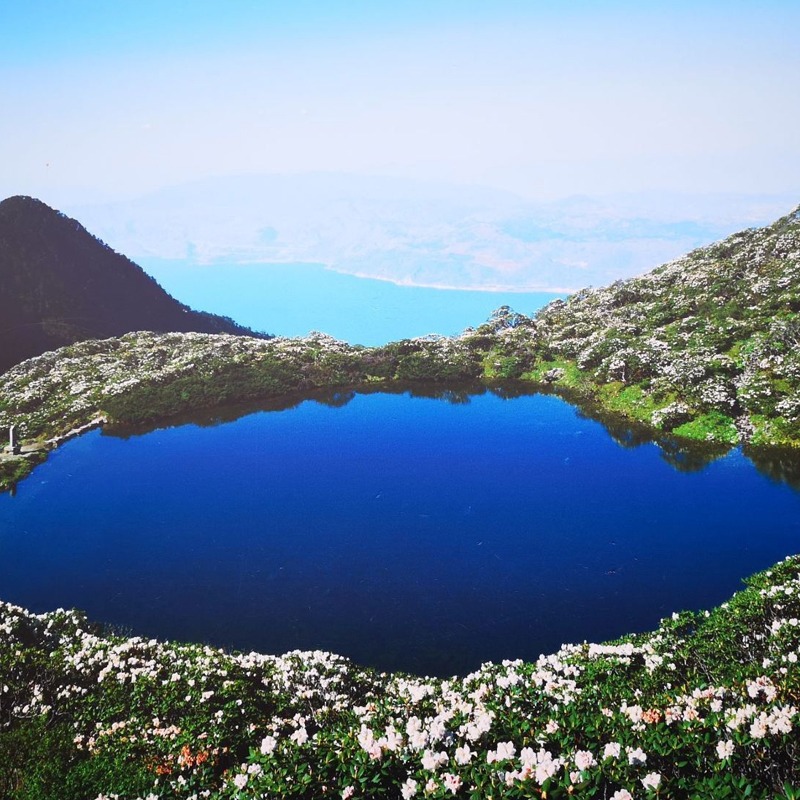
704,706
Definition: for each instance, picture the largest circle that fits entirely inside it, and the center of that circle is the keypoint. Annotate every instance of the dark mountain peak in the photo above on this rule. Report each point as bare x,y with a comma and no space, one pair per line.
59,284
23,210
20,201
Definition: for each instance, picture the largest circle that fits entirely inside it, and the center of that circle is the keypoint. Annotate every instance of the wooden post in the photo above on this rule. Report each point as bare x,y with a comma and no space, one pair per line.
13,444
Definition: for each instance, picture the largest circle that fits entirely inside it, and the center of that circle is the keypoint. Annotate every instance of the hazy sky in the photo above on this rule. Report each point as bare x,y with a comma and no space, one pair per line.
108,98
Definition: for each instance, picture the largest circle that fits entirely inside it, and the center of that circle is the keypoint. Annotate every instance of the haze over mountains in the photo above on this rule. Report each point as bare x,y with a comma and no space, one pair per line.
418,233
61,285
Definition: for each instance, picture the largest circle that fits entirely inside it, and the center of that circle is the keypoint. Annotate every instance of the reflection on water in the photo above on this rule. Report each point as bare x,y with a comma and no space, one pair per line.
781,464
394,528
682,454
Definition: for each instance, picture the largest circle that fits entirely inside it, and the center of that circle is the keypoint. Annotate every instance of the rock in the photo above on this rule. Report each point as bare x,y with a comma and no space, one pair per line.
553,375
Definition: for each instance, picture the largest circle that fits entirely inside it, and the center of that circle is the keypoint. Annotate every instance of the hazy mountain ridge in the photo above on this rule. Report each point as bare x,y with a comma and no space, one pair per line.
61,285
418,233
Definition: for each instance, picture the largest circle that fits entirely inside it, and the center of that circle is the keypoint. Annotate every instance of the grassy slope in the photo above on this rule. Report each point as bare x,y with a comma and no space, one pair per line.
705,346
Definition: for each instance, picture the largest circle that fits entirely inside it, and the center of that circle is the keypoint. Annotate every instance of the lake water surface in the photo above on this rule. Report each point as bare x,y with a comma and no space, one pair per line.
405,532
293,299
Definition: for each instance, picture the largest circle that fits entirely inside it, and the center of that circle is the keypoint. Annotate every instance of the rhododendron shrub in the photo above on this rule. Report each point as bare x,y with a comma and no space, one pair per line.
706,706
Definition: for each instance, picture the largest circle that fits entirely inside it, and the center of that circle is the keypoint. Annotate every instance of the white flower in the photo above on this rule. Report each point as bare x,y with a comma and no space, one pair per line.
762,685
429,760
505,750
511,777
300,736
393,739
408,789
413,725
724,749
366,738
463,755
584,760
527,757
651,780
417,738
758,730
432,761
451,782
612,750
545,770
622,794
268,744
779,720
637,756
240,780
348,792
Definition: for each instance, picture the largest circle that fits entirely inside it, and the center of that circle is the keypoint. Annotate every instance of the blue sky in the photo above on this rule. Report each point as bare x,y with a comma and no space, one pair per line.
110,99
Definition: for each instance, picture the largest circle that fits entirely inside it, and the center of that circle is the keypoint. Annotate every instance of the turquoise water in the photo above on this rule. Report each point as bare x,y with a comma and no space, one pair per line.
293,299
405,532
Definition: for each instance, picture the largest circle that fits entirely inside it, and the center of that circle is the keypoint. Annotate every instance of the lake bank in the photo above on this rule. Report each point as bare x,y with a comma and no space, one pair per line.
702,706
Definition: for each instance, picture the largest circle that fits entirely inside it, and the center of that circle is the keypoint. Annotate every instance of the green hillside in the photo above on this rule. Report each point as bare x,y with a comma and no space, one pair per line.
706,346
706,706
61,285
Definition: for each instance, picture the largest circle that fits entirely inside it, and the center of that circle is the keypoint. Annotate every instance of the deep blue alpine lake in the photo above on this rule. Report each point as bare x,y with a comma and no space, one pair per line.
404,532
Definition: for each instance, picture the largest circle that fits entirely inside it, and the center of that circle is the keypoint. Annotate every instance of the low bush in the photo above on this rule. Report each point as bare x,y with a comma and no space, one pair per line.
704,706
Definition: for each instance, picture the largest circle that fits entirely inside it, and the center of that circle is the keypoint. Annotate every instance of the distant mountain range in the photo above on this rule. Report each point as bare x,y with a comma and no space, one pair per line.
59,284
419,233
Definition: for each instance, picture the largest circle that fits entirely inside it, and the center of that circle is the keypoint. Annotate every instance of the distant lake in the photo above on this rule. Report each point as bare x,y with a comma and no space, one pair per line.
293,299
405,532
